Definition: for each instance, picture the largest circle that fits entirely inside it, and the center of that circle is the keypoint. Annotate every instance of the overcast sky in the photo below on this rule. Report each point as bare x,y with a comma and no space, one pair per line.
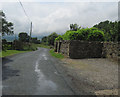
48,17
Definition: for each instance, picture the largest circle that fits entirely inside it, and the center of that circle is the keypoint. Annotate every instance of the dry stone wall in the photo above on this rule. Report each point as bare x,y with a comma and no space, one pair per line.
65,48
111,50
84,49
62,47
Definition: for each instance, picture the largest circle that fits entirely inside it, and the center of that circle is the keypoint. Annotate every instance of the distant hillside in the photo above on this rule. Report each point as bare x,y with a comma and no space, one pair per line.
11,38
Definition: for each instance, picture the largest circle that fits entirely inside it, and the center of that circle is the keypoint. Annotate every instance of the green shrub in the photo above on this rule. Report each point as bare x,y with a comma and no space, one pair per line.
18,45
72,35
4,44
59,38
88,34
96,35
83,34
51,38
66,35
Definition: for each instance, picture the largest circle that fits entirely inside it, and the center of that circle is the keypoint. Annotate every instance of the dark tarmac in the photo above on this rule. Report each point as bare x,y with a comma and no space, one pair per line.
33,73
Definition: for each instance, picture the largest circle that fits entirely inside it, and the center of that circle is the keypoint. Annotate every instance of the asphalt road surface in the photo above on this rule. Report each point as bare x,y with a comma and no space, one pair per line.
33,73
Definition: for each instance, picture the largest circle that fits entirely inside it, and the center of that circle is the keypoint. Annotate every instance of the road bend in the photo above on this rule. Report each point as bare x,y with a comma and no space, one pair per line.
33,73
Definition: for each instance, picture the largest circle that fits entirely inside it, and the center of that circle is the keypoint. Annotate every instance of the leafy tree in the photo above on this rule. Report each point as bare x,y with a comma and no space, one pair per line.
96,35
44,39
4,44
60,37
110,29
35,40
118,34
51,38
88,34
83,33
74,27
18,45
7,27
66,36
23,37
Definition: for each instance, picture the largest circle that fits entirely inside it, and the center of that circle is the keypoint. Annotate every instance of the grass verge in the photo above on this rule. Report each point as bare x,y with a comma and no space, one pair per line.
10,52
57,55
32,47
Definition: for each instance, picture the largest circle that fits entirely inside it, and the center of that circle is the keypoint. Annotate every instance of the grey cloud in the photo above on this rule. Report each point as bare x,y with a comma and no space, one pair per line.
56,17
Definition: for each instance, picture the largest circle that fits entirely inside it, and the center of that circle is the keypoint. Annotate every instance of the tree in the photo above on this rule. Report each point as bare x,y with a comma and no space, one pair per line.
96,35
51,38
88,34
23,37
35,40
7,27
4,44
74,27
44,39
110,29
60,37
118,34
18,45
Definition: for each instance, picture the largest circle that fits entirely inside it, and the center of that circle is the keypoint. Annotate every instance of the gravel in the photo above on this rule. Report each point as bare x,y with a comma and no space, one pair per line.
91,76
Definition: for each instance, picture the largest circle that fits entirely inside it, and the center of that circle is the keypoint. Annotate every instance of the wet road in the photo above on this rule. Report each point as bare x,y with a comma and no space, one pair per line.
33,73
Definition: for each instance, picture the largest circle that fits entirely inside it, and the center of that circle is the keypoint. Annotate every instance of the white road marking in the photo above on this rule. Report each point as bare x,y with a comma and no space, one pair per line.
45,57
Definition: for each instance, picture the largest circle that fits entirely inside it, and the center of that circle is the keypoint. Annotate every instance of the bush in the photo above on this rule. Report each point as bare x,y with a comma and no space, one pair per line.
88,34
96,35
18,45
83,34
66,35
69,35
4,44
59,38
51,38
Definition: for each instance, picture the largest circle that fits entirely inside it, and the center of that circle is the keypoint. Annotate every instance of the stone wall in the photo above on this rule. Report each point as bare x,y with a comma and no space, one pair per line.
85,49
62,47
82,49
111,50
65,48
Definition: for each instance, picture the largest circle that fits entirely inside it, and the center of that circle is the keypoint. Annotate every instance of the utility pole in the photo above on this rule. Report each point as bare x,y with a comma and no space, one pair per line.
30,31
15,41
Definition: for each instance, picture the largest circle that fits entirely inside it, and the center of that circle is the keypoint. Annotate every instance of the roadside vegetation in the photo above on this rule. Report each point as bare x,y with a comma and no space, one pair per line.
56,55
11,52
33,47
103,31
24,43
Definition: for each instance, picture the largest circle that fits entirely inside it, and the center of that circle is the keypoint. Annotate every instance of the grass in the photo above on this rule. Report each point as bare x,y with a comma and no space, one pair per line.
57,55
10,52
33,47
0,54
